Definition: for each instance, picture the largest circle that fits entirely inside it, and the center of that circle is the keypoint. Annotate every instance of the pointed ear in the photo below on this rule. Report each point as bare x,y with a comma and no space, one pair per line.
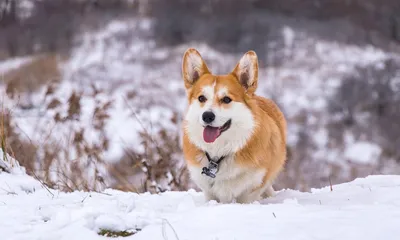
193,67
246,71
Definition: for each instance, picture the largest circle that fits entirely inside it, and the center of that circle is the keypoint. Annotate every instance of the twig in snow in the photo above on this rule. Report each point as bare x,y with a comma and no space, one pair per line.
274,214
85,198
37,178
163,229
4,169
9,192
107,194
330,183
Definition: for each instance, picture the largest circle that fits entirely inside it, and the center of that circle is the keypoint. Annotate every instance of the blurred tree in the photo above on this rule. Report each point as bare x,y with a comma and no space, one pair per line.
370,97
8,12
51,25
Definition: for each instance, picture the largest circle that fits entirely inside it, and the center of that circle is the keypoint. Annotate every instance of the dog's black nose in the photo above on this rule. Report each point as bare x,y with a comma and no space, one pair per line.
208,117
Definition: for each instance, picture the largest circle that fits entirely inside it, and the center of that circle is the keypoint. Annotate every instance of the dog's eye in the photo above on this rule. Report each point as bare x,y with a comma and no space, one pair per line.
226,100
202,98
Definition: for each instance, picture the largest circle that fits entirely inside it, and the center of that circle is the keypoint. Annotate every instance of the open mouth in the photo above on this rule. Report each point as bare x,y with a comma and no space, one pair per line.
210,134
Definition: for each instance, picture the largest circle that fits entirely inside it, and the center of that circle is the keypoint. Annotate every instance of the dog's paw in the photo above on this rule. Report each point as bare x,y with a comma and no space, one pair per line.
269,192
209,197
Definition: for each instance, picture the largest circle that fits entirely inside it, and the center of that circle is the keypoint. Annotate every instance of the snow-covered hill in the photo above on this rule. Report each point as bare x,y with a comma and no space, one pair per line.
367,209
121,67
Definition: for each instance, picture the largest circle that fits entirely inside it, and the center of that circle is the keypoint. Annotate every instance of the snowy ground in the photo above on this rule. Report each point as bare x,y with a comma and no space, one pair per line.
367,208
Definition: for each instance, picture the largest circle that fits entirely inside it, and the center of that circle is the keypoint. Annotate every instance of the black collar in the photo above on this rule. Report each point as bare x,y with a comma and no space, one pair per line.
213,166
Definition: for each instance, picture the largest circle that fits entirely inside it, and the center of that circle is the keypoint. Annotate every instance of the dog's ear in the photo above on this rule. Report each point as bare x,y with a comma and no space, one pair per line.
193,67
246,71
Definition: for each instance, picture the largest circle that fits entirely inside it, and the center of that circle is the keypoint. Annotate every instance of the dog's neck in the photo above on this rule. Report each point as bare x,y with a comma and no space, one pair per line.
217,151
215,159
213,166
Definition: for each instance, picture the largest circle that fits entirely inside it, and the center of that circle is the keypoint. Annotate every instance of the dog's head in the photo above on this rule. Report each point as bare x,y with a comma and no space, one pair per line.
219,112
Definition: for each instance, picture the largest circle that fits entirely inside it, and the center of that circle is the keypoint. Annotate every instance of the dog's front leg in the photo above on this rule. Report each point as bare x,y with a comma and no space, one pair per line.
209,195
249,197
269,192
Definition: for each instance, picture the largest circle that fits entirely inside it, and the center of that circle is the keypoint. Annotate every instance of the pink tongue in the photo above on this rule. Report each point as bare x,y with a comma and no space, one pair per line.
210,134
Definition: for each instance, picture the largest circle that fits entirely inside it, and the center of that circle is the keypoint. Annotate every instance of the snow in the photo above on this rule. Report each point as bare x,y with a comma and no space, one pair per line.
7,163
363,152
366,208
14,63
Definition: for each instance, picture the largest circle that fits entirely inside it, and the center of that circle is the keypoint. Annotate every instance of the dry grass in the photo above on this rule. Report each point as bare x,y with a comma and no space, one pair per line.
77,162
3,55
157,168
33,75
13,145
3,141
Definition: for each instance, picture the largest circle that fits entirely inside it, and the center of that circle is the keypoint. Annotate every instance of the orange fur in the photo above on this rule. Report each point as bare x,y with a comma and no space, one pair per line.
266,148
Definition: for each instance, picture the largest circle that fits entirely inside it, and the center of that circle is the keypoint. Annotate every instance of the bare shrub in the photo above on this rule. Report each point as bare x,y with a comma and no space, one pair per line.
44,29
159,168
367,103
75,160
229,26
52,25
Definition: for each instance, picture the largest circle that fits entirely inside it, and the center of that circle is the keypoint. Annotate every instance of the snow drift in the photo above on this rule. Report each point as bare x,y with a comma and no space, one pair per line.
367,208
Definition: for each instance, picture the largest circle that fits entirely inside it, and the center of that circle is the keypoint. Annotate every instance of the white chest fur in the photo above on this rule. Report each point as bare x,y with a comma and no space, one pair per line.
231,184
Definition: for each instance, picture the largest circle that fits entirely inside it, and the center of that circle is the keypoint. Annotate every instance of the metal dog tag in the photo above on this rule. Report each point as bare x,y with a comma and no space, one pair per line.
211,170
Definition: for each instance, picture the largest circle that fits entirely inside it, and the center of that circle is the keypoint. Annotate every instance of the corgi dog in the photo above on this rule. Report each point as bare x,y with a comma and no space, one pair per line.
234,142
